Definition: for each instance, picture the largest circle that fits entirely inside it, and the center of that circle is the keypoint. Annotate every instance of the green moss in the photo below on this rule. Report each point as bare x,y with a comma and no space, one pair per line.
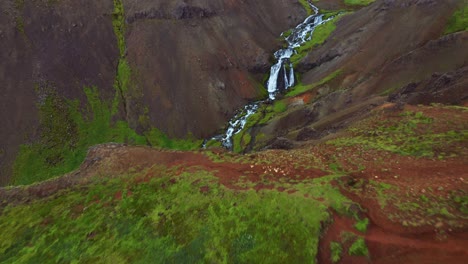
124,73
301,88
118,22
411,136
280,106
458,21
321,33
358,2
66,134
176,223
361,225
213,144
462,202
358,248
237,143
307,7
19,4
330,13
20,25
158,139
336,251
287,33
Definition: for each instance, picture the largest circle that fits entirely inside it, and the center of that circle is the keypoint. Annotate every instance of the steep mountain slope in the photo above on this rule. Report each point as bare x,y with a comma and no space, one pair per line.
182,67
386,48
197,61
47,44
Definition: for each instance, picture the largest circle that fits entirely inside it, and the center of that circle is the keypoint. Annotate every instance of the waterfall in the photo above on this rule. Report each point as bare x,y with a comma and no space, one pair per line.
276,83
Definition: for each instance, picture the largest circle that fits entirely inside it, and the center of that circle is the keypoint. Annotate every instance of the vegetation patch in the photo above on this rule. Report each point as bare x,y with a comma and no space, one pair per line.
358,248
458,21
358,2
301,88
158,139
307,7
410,135
66,133
174,218
336,250
361,225
264,114
320,34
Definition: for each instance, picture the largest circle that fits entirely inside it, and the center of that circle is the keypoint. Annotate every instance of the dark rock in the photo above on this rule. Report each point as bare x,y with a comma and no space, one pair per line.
307,66
190,12
307,134
147,14
281,143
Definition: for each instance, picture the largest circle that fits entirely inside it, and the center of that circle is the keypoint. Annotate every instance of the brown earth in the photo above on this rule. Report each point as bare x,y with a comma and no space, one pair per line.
66,46
199,61
188,59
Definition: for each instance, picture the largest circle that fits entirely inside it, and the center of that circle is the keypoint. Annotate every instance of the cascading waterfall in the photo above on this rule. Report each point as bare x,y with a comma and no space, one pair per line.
281,74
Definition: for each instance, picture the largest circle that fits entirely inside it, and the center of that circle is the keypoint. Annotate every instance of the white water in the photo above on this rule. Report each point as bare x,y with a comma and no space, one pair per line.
299,35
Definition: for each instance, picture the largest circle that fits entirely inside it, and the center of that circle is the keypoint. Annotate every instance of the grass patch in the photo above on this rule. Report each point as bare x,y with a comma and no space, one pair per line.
358,2
66,135
166,220
361,225
301,88
307,7
336,250
280,106
118,22
359,248
410,136
157,138
462,202
458,21
320,34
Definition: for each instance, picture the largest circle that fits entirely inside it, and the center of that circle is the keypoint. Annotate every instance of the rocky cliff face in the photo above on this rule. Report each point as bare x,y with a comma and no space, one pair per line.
192,62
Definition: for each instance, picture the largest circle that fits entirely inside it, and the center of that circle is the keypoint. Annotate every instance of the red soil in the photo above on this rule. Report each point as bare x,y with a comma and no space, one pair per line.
435,238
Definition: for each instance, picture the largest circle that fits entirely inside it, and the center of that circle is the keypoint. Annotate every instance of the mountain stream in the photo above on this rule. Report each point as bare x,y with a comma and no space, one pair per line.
281,75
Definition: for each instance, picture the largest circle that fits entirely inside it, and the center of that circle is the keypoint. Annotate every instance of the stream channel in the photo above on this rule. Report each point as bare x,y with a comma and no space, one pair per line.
281,75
